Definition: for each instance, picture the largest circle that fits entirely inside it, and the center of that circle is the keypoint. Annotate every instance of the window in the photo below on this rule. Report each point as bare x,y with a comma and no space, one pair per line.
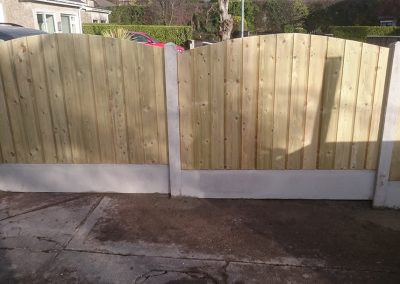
68,24
139,38
46,22
95,21
387,23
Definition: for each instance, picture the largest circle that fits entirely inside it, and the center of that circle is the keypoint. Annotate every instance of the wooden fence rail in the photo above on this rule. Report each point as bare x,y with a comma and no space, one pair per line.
286,101
81,99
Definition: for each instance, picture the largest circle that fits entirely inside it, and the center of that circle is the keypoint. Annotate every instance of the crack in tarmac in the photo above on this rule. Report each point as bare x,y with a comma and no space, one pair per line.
43,207
331,268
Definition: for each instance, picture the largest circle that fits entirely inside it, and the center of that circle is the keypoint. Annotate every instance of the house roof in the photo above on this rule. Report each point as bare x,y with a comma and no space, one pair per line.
103,4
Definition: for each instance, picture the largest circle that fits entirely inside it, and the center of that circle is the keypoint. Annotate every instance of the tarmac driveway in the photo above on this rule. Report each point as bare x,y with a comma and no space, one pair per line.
112,238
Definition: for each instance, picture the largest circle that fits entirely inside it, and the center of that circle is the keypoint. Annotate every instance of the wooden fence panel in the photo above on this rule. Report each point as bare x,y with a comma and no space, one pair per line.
81,99
186,109
364,105
217,58
233,112
331,102
251,53
266,96
373,141
317,62
291,102
298,100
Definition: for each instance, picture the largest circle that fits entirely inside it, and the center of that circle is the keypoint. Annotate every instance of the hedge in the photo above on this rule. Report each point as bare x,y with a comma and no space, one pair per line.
360,33
176,34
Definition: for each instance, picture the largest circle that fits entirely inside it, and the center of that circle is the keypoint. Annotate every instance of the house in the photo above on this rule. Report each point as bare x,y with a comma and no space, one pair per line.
54,16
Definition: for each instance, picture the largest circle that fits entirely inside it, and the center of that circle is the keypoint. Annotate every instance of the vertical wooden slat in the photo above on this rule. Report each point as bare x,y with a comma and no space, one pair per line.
6,141
202,114
318,50
284,56
330,102
266,101
73,106
148,103
23,76
366,89
373,139
349,87
102,100
86,97
36,58
186,96
250,71
217,104
160,101
56,98
116,92
134,118
301,53
13,104
233,79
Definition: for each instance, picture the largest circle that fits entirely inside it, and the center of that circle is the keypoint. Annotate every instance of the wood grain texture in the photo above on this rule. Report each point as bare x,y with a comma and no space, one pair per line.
6,138
202,112
113,67
317,63
251,51
77,99
233,107
364,105
348,100
299,88
86,98
283,79
105,124
266,101
373,140
161,103
57,101
148,103
73,106
23,77
217,89
36,58
330,102
186,100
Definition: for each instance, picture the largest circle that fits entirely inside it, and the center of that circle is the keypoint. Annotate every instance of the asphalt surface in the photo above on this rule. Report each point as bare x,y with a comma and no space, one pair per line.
112,238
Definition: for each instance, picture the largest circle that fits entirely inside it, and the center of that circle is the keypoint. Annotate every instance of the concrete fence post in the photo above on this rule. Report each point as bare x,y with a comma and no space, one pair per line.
171,89
390,117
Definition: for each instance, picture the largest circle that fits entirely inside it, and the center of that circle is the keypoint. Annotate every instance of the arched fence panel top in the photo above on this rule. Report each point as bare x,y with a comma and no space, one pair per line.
81,99
283,101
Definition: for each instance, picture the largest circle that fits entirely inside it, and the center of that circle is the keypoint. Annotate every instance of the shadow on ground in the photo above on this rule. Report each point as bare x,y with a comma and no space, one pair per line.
116,238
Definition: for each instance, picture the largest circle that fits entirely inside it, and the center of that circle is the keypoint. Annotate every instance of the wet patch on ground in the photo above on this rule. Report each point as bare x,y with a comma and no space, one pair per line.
256,229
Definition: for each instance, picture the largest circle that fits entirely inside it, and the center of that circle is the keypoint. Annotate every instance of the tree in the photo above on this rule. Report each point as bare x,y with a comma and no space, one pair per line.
250,9
226,21
285,13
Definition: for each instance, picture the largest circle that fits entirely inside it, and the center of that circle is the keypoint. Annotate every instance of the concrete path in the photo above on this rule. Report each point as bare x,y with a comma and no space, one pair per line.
110,238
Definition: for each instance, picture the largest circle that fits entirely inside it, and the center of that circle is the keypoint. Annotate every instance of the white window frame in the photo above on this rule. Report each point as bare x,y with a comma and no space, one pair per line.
76,20
44,14
385,22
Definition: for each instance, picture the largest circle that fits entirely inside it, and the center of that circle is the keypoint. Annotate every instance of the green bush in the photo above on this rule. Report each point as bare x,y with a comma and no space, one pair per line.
360,33
175,34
